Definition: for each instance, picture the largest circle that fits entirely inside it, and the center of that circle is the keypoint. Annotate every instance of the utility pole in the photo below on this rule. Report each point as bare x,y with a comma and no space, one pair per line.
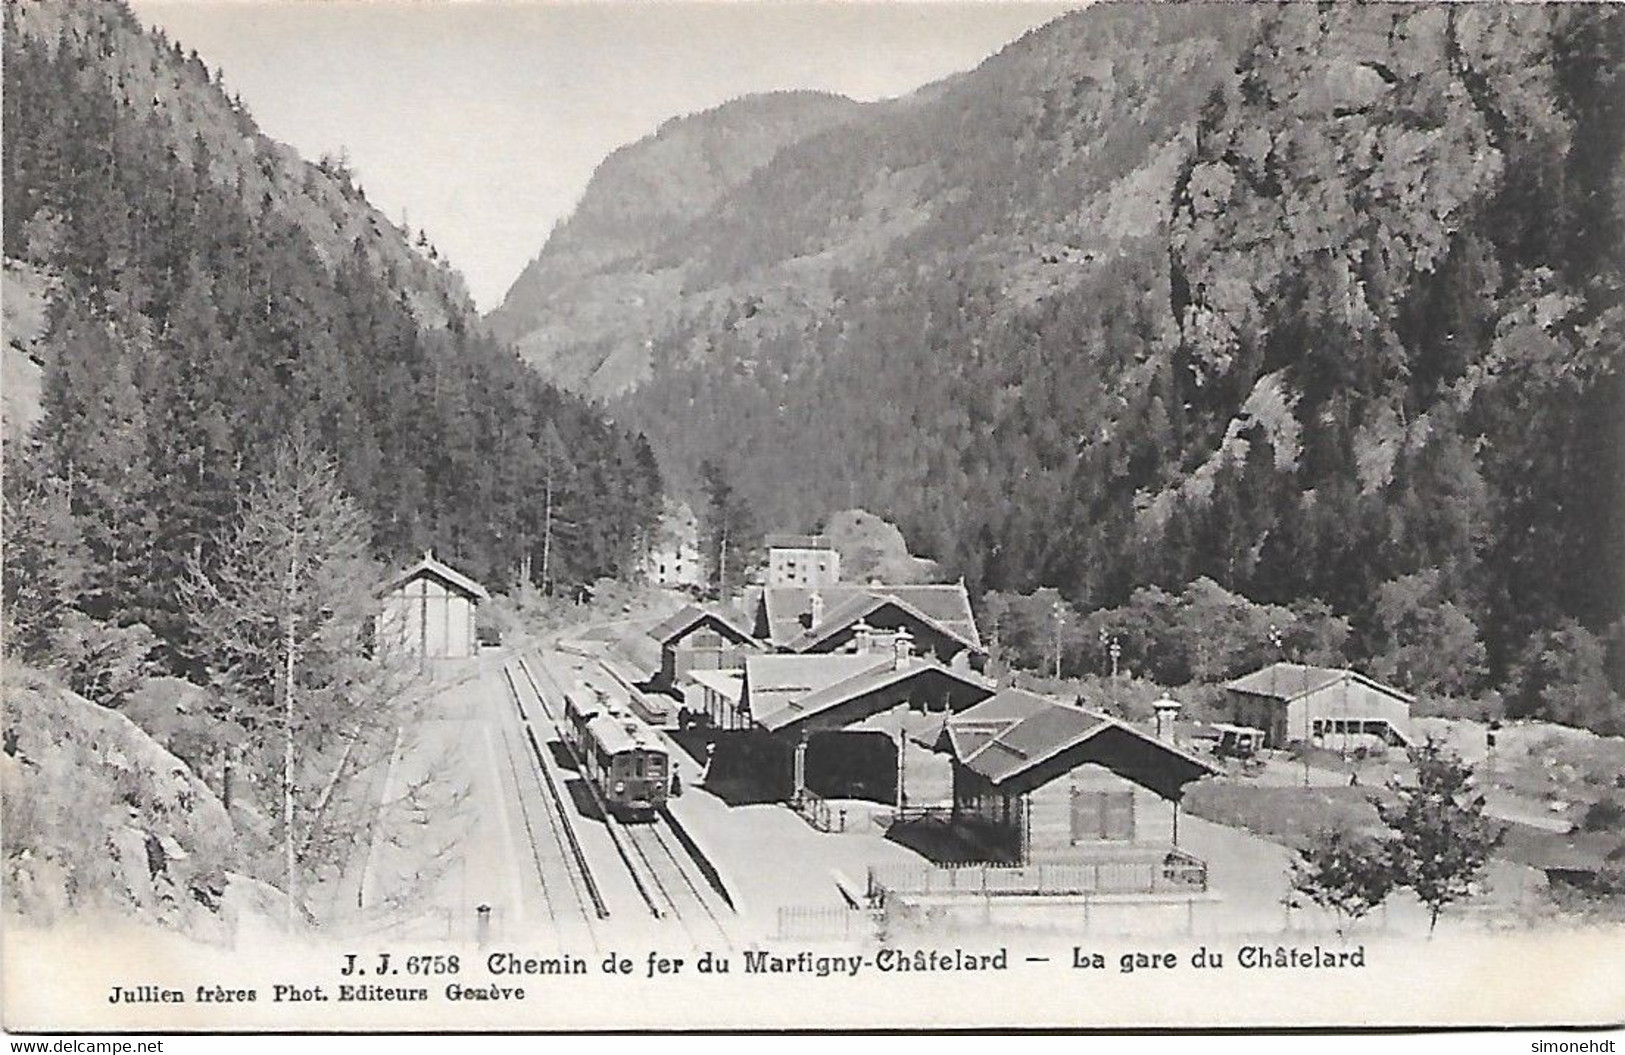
1060,617
1114,652
547,529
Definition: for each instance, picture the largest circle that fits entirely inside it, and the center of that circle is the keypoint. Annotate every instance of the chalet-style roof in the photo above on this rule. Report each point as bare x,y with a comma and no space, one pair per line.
783,540
682,622
1019,739
943,605
785,690
1289,681
446,574
861,606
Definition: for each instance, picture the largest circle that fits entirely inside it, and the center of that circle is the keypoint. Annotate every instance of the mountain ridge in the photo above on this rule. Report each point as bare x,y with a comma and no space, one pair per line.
662,185
1160,292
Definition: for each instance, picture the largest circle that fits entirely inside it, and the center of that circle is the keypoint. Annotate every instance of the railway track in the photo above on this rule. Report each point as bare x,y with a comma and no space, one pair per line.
672,883
570,863
611,824
667,887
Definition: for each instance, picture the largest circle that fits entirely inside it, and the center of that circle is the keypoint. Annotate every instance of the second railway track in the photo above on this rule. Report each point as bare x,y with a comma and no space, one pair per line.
560,832
666,885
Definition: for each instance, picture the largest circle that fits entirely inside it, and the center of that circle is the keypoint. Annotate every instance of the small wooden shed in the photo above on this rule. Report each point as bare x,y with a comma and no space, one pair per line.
428,610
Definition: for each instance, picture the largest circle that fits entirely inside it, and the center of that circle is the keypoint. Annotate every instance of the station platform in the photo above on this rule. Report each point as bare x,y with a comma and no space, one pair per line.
769,858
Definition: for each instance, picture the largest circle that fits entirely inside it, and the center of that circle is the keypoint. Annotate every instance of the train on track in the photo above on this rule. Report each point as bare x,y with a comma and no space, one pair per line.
618,752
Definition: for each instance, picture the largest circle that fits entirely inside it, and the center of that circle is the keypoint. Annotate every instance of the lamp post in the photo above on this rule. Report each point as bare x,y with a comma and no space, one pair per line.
1278,642
1114,652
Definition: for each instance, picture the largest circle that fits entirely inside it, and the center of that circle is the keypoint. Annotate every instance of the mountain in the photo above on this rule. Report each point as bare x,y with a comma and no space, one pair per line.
24,295
183,294
1303,299
583,309
171,92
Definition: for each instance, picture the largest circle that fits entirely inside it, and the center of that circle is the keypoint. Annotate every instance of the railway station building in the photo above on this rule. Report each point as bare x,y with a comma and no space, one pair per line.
835,619
428,610
699,638
841,725
1036,780
1060,816
1294,703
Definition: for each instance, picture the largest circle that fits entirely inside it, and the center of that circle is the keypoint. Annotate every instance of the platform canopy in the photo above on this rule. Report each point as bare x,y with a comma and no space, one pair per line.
1019,740
834,691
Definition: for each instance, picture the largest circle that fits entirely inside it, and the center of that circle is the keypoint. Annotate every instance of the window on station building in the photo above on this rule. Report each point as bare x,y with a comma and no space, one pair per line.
1102,816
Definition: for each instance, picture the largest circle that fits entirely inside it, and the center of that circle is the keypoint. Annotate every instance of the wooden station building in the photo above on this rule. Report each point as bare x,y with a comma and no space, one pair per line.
833,619
1037,780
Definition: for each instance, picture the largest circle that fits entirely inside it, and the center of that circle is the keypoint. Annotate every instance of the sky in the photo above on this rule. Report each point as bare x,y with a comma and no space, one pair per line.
481,121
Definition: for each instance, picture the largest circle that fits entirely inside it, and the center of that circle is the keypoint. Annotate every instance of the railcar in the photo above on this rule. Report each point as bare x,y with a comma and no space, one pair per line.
618,753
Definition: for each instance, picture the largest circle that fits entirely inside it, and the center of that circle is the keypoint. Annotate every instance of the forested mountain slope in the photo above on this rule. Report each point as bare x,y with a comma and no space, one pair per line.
1306,299
207,295
584,308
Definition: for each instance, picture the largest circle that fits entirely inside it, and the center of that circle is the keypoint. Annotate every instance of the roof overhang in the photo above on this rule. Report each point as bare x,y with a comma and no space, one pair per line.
875,691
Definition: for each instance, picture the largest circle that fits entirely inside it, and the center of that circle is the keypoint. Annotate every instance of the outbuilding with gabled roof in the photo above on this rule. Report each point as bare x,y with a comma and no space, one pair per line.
700,638
1298,703
428,610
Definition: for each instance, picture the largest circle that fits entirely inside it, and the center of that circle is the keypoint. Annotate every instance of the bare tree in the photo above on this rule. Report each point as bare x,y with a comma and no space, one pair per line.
280,617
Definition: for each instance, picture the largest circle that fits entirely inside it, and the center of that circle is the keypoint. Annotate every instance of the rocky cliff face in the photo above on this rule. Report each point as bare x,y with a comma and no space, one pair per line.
100,819
1301,299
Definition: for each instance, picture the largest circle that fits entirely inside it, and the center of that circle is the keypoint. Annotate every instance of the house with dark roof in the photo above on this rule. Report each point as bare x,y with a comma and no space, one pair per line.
1038,780
700,638
1295,703
937,617
428,610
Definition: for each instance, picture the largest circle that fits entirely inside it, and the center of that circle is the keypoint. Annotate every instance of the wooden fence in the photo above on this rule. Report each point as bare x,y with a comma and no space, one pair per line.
820,923
1172,872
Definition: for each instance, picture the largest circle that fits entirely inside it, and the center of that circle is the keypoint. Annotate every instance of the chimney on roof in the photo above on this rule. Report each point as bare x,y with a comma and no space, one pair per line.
815,609
902,648
1167,710
863,638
